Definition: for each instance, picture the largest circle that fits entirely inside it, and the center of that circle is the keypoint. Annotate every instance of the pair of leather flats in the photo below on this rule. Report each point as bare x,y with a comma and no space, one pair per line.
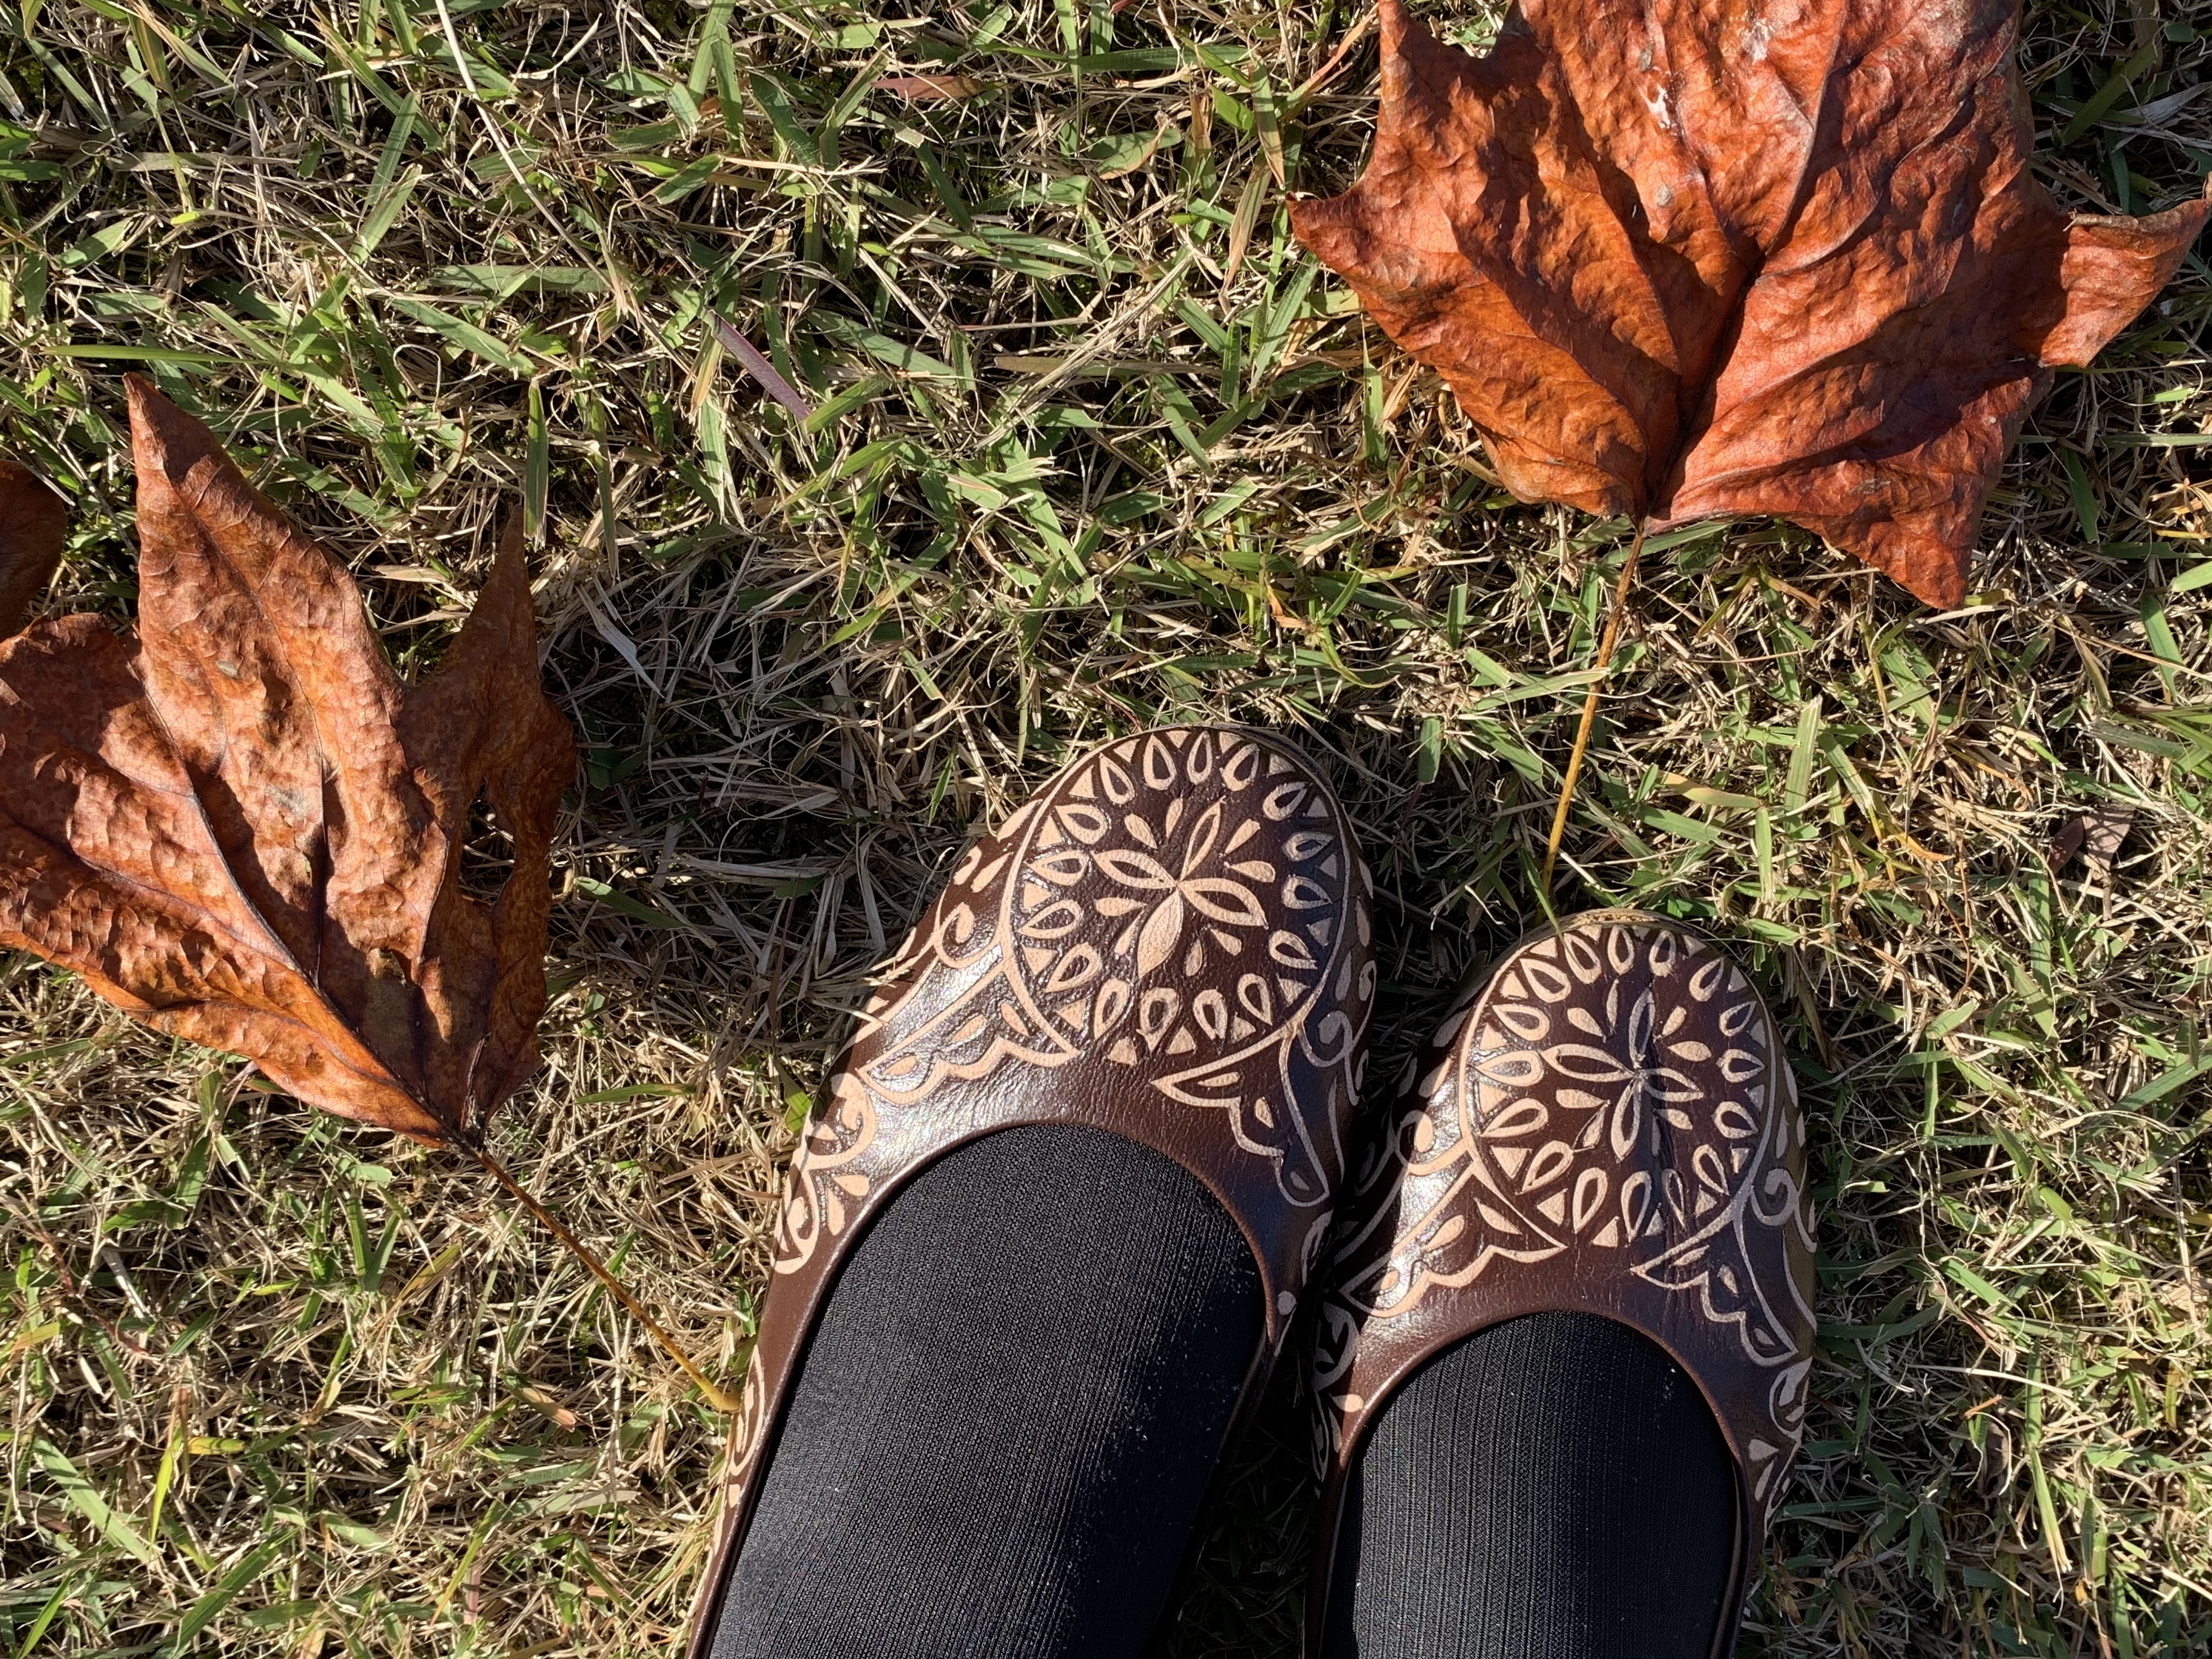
1173,942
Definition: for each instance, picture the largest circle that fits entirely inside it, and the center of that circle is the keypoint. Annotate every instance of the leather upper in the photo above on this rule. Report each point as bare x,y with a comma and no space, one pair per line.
1173,940
1605,1123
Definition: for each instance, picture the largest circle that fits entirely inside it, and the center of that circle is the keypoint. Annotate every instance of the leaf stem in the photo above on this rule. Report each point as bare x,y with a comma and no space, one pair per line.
1611,638
718,1398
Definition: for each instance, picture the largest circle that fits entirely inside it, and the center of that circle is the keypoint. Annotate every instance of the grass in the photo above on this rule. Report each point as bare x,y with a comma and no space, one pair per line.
1094,445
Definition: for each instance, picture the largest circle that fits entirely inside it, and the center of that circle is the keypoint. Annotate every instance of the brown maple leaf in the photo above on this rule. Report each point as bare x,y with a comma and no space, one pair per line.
1680,260
242,828
34,524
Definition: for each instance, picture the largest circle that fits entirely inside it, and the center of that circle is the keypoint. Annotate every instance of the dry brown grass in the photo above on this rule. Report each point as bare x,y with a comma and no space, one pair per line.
278,1386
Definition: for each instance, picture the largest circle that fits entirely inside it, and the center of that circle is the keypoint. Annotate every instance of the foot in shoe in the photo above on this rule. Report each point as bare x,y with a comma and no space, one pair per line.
1554,1487
1007,1412
1567,1327
1048,1228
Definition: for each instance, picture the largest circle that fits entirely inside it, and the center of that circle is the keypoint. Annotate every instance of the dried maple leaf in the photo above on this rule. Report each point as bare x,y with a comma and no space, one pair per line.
244,830
34,524
1680,260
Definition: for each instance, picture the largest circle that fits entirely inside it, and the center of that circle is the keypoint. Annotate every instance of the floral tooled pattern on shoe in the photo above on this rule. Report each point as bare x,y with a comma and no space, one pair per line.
1620,1096
746,1427
823,1186
1182,904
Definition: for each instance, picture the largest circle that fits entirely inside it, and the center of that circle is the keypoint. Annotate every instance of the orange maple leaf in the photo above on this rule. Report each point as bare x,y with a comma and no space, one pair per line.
1680,260
242,828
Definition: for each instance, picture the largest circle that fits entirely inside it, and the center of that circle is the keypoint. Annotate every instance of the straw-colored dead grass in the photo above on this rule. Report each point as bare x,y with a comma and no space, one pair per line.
1097,447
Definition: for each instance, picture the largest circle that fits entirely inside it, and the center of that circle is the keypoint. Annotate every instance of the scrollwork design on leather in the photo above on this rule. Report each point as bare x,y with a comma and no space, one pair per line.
1172,941
746,1427
1181,904
1612,1094
823,1184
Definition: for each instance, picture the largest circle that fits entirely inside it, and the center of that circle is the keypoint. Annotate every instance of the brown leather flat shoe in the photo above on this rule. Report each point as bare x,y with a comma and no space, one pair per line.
1606,1123
1172,942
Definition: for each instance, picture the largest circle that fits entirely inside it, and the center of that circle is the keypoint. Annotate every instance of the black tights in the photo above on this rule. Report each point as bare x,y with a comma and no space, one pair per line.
1550,1488
1008,1414
1013,1401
